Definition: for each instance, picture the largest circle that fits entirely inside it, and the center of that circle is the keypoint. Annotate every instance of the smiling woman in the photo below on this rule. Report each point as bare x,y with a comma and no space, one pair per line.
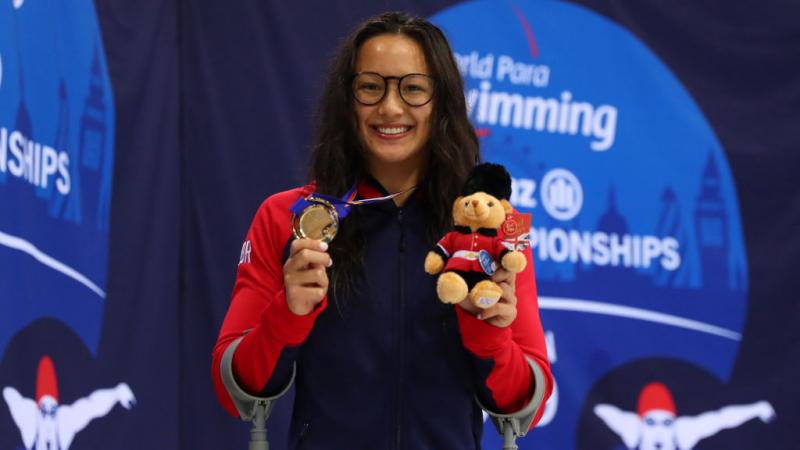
393,132
405,367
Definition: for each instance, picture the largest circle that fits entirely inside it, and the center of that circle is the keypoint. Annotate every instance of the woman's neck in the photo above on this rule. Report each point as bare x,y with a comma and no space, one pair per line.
398,179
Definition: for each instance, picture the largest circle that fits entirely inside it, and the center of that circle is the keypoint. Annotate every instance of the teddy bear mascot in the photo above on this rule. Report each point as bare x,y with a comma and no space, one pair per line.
467,257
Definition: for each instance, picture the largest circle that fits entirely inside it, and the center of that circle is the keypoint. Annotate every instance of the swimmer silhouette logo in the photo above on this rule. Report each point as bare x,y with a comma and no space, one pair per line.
636,230
45,424
656,424
56,160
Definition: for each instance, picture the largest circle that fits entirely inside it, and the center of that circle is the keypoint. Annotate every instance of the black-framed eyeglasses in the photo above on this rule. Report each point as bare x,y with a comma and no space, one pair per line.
369,88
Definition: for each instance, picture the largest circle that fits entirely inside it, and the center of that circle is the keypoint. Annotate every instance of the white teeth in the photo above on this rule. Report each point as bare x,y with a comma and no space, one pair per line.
396,130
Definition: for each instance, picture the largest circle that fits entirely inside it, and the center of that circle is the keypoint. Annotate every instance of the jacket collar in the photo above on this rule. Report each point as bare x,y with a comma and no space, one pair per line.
484,231
369,187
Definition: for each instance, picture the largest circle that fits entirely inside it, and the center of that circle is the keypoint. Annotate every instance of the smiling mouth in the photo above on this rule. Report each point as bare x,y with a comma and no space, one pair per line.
391,131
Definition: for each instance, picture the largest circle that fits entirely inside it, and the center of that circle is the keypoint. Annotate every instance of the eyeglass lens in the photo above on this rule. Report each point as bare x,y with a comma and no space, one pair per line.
415,89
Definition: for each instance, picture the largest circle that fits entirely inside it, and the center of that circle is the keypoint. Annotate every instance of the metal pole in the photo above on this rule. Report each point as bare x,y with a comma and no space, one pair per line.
509,438
258,434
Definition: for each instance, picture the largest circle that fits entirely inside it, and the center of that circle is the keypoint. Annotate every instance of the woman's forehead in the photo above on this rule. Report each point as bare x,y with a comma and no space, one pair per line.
391,55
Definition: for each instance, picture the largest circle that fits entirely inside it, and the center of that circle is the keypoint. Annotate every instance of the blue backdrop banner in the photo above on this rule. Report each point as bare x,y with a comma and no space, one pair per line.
636,234
653,143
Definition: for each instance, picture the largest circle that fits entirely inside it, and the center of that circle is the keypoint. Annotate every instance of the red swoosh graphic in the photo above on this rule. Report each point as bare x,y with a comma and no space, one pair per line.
528,31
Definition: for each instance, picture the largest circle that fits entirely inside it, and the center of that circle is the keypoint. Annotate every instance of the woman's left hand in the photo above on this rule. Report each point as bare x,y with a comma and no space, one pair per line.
502,313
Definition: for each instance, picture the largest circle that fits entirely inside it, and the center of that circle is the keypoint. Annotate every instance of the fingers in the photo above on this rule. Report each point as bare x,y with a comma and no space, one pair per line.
302,300
508,297
498,309
307,252
467,305
304,276
500,315
506,280
310,244
504,276
313,276
503,313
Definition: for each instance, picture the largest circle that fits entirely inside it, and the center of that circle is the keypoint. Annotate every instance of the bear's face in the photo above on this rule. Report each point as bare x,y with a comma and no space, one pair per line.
480,210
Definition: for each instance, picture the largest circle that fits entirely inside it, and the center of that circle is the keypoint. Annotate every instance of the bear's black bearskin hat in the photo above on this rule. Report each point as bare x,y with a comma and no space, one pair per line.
490,178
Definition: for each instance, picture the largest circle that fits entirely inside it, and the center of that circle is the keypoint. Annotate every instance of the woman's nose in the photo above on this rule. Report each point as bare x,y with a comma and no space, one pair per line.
391,104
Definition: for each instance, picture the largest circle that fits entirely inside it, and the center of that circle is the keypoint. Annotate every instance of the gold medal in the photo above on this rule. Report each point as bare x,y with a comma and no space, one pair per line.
318,221
315,217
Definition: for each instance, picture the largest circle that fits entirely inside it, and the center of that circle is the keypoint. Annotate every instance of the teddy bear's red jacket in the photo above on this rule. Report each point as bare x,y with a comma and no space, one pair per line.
461,247
386,367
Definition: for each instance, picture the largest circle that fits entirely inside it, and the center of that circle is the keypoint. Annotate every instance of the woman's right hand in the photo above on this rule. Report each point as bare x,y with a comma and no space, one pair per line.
304,277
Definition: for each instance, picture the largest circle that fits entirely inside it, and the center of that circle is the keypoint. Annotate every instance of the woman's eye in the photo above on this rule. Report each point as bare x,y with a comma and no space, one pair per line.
369,87
414,88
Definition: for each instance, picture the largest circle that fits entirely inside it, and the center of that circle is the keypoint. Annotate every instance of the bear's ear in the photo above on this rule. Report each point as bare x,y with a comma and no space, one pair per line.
507,206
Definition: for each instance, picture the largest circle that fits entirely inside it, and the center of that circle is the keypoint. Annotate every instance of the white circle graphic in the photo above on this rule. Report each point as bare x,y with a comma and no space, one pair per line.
562,194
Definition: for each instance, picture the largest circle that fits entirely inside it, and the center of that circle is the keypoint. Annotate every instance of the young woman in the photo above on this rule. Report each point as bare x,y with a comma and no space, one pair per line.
377,360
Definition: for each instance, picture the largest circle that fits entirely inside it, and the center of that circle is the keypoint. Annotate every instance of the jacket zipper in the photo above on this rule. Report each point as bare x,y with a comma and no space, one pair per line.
401,331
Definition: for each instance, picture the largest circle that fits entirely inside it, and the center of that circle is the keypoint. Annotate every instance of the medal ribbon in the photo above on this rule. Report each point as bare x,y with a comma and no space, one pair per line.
343,204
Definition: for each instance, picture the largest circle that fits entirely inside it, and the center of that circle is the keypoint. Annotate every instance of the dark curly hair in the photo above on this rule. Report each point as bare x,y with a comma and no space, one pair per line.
337,159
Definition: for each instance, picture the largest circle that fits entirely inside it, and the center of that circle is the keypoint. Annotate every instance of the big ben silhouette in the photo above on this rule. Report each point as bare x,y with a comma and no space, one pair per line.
92,142
711,227
87,164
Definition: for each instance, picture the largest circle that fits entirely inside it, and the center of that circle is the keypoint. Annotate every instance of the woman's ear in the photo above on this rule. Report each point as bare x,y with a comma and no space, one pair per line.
507,206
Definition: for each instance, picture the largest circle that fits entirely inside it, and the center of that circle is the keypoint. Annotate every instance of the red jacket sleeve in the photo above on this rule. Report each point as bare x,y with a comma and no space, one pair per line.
500,352
258,309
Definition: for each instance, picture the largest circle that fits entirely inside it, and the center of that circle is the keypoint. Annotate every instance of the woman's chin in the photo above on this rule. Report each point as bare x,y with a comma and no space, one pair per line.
383,156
